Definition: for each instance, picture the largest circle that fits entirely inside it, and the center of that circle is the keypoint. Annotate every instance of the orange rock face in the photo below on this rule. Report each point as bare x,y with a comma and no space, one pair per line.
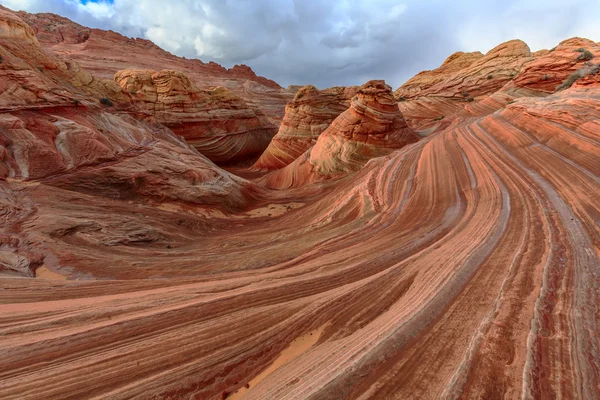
550,70
466,75
372,127
431,100
309,114
462,265
217,122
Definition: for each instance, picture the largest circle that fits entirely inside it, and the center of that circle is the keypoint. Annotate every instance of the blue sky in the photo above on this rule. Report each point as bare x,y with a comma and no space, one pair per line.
332,42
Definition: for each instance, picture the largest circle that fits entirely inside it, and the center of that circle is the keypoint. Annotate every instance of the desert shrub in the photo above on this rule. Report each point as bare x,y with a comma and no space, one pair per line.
470,99
552,49
1,59
76,102
490,76
584,71
441,117
400,98
106,101
579,50
585,55
133,92
465,94
546,77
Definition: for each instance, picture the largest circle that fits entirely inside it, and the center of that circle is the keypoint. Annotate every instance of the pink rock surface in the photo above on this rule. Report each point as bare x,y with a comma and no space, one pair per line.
218,123
371,127
462,265
306,116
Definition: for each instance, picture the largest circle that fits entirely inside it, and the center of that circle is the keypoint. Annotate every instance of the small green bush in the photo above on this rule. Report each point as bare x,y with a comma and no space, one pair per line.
106,101
465,94
400,98
76,102
1,59
579,50
470,99
551,50
441,117
546,77
490,76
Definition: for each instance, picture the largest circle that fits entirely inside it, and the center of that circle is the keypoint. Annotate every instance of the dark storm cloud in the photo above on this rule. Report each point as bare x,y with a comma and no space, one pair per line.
332,42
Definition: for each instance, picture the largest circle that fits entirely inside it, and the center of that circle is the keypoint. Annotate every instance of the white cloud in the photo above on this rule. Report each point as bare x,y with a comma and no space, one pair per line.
332,42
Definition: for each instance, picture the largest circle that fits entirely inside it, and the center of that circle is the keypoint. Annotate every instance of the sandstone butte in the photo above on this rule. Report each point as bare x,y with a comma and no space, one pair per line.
460,265
372,126
306,116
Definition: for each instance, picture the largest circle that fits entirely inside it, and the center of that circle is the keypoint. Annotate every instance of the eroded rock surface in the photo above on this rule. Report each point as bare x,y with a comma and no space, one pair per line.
217,122
306,117
371,127
461,265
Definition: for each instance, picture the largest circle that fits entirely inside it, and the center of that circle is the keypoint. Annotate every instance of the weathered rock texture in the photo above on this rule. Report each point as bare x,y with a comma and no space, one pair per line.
306,116
218,123
104,53
431,100
371,127
464,265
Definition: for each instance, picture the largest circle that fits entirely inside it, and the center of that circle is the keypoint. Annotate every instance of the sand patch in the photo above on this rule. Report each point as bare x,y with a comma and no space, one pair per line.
273,210
44,273
295,349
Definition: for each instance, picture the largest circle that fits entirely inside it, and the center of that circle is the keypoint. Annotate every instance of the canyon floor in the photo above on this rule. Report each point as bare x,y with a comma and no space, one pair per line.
161,238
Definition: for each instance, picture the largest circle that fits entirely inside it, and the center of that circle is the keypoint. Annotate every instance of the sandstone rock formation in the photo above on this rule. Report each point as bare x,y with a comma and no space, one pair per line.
550,70
432,99
306,116
104,53
465,75
217,122
31,77
464,265
372,127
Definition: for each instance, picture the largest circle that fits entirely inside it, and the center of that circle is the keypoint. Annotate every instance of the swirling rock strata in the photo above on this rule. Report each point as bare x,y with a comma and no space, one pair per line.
306,116
372,127
217,122
464,265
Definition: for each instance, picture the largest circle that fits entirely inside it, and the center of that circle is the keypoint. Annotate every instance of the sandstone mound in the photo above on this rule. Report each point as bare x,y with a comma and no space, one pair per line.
550,70
103,53
31,77
372,127
306,116
466,75
218,123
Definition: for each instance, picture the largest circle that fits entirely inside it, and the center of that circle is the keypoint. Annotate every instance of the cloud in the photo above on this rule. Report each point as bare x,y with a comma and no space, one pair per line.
332,42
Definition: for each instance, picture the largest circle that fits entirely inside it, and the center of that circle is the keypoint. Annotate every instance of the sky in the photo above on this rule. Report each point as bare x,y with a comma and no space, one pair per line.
332,42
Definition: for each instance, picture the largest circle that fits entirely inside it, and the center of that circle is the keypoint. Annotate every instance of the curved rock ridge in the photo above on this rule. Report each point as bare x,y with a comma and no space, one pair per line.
466,75
104,53
420,83
548,71
463,266
112,155
372,127
306,116
216,122
31,77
